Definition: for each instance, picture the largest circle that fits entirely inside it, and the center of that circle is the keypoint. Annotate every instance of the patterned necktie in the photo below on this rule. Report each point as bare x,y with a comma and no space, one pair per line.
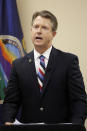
41,72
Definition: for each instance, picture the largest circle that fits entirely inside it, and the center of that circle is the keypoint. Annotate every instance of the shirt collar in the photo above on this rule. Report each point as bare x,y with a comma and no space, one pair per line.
46,54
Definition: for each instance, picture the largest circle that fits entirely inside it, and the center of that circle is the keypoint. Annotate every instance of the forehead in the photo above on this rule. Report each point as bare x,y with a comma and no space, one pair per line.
42,20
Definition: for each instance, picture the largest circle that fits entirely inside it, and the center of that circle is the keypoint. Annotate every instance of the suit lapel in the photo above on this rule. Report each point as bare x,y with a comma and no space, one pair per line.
32,69
50,69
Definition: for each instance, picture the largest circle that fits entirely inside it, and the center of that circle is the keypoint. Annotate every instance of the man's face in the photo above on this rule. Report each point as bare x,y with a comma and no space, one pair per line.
41,32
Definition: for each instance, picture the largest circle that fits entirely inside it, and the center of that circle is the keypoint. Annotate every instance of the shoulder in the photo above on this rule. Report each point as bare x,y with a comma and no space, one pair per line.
23,58
66,60
64,55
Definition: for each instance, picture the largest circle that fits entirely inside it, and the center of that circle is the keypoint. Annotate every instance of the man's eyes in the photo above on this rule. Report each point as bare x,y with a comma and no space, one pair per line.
43,27
35,27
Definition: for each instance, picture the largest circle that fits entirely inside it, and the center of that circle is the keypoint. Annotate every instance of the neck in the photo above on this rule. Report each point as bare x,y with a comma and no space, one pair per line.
41,50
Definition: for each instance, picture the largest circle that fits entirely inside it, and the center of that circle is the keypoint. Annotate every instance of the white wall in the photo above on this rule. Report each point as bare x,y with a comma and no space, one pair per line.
72,31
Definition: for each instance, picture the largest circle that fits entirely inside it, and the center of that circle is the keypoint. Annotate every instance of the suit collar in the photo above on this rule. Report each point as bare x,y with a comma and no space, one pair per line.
49,71
31,54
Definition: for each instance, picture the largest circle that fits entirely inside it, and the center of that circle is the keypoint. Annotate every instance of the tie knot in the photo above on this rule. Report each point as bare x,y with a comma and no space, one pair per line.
42,57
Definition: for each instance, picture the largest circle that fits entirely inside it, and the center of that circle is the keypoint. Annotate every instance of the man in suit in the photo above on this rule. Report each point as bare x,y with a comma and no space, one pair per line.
50,89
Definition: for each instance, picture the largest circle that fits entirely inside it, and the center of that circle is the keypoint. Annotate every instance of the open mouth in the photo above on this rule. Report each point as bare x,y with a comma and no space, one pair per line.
39,38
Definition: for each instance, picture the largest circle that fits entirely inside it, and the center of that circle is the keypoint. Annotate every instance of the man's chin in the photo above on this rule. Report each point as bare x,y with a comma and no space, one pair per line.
38,45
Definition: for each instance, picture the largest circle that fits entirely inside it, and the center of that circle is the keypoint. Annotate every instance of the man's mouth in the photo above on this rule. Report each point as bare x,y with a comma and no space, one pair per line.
38,38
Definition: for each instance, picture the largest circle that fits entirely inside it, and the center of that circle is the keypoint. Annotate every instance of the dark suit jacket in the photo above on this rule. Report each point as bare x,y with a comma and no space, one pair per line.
63,98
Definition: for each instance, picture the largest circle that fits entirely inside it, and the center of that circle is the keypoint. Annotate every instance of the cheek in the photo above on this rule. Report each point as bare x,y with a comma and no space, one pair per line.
32,35
32,38
49,37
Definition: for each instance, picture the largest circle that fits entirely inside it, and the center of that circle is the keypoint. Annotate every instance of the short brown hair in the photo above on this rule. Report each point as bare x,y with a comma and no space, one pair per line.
48,15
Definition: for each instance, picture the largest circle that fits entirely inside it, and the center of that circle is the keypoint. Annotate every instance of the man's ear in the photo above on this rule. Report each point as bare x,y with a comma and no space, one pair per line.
54,33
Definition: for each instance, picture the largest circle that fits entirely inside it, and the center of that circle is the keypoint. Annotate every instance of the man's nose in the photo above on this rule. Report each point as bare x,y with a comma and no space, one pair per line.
39,30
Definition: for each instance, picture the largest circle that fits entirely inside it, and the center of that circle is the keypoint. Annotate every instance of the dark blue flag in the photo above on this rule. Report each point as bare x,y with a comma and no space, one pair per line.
11,40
